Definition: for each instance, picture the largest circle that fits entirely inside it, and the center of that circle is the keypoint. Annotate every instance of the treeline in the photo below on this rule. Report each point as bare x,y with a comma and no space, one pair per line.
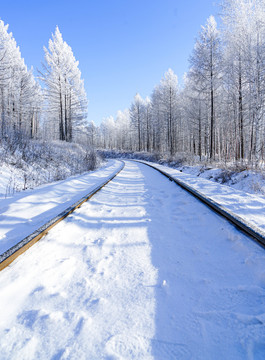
55,110
219,112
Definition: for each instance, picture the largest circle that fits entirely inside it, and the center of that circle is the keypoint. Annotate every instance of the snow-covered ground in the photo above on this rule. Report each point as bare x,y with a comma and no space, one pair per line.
232,175
250,207
26,164
246,180
25,212
141,271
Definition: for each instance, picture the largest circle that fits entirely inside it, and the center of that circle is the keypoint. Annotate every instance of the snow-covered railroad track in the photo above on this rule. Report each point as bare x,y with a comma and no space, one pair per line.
142,271
11,254
253,231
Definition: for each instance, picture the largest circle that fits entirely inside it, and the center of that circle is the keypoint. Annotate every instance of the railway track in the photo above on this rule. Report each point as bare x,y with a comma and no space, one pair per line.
131,268
254,232
11,254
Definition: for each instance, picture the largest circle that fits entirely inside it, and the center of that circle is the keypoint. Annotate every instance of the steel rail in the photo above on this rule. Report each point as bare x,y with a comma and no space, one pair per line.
11,254
251,230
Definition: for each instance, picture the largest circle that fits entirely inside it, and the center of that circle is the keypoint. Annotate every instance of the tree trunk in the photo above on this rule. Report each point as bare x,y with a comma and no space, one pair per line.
240,113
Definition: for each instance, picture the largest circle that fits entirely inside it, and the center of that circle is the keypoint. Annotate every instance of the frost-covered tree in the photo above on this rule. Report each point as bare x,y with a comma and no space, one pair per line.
164,112
148,122
108,130
20,95
64,89
168,92
206,71
220,111
244,35
123,130
157,120
136,116
196,115
91,133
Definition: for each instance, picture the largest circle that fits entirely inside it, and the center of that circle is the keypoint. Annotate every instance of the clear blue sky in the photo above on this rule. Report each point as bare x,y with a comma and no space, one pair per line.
123,46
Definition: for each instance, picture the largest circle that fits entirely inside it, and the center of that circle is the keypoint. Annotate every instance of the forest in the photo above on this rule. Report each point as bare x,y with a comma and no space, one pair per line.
43,119
106,257
54,106
217,114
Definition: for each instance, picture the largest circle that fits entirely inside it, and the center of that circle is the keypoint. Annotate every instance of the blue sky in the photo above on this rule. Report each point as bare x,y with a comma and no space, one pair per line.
123,46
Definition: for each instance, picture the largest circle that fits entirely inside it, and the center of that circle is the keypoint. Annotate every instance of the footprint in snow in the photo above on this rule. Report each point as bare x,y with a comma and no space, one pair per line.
79,326
28,318
37,290
127,347
98,242
91,304
168,350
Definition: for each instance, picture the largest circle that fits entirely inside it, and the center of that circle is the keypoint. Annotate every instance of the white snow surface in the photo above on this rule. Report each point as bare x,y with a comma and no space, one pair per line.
250,207
141,271
25,212
248,181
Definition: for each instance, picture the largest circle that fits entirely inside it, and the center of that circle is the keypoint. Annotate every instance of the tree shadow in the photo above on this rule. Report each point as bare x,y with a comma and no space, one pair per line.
47,201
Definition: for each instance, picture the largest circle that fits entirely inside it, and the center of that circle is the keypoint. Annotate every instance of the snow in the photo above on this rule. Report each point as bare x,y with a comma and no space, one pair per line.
26,164
230,174
250,207
246,180
141,271
25,212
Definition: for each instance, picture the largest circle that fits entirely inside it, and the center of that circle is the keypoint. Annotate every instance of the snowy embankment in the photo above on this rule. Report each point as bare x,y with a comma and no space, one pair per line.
26,164
250,207
249,181
25,212
245,180
141,271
